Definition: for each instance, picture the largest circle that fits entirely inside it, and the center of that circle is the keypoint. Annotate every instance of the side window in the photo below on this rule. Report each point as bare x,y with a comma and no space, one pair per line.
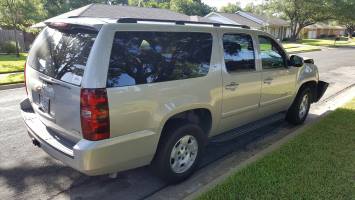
238,52
271,54
150,57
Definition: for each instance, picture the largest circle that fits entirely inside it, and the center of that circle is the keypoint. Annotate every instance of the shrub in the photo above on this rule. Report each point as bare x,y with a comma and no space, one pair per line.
9,47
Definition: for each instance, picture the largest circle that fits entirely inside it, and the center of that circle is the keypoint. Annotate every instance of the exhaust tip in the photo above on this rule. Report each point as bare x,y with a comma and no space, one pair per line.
35,142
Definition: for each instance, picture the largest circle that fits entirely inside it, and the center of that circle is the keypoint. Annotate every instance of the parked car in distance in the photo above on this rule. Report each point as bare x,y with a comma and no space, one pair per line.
105,96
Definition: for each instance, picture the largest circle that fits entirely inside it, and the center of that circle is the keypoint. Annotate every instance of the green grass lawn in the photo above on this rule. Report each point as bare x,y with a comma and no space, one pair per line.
327,42
11,78
317,164
296,48
11,63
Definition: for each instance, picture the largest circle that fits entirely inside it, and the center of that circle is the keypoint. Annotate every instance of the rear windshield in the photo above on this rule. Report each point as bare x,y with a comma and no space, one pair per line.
151,57
60,55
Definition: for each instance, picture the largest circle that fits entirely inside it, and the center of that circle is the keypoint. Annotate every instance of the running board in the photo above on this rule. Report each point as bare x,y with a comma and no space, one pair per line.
234,133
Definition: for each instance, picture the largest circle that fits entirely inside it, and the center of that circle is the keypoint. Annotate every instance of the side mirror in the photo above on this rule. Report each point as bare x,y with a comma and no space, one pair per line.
296,61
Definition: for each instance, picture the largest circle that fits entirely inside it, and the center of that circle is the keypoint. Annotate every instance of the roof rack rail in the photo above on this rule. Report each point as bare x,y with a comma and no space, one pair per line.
177,22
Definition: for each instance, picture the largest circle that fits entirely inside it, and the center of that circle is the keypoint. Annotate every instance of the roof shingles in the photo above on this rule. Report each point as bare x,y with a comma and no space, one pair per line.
116,12
253,20
240,20
272,21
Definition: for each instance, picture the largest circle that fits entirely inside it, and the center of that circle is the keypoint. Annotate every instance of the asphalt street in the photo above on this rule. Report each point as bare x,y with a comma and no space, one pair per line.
26,172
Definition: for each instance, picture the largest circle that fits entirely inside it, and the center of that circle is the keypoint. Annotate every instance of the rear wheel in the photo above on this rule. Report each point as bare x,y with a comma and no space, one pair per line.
179,152
299,110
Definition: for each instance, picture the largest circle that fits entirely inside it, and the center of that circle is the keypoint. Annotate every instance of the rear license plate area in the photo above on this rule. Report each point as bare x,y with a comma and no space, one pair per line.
44,103
44,98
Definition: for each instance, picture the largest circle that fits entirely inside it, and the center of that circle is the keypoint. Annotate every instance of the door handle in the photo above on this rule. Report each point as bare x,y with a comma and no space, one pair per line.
232,86
268,80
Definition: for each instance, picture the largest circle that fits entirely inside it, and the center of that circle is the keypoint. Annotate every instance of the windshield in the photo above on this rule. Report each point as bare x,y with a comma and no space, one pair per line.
61,55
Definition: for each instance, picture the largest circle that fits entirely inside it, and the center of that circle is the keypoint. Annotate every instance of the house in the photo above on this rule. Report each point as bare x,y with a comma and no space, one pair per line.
119,11
275,26
322,30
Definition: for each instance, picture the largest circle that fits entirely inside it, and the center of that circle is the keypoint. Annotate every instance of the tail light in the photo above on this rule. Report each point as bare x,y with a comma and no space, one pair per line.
94,114
24,77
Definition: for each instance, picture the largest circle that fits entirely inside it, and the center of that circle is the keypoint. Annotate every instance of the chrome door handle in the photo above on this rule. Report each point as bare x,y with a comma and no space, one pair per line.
232,86
268,80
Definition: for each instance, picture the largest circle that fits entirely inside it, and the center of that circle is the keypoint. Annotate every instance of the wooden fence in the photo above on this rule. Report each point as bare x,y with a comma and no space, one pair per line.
8,35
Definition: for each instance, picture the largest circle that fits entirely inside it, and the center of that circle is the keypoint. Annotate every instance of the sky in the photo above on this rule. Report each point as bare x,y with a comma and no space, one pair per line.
219,3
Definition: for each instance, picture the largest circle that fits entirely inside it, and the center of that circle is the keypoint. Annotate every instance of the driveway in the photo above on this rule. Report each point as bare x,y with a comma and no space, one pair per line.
26,172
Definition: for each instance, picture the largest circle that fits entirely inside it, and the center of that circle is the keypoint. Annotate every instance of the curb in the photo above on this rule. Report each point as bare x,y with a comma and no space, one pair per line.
254,158
11,86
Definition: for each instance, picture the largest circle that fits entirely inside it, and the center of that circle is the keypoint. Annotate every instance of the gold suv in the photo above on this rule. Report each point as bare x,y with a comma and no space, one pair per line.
107,95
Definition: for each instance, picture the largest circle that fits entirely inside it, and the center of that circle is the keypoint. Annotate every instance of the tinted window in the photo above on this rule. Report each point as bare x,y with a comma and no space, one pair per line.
238,52
62,56
149,57
271,54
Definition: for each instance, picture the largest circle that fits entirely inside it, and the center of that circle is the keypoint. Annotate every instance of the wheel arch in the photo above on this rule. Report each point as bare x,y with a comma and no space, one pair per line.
201,116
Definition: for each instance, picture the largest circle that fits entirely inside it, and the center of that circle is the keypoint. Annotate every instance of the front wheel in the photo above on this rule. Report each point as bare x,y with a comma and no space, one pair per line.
298,111
179,152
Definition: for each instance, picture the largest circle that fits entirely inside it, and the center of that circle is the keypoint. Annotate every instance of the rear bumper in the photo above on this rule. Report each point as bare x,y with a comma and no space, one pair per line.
321,88
93,157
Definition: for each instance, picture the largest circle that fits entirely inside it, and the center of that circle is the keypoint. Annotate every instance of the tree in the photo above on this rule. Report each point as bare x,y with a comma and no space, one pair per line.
231,8
190,7
302,13
19,14
260,9
150,3
344,12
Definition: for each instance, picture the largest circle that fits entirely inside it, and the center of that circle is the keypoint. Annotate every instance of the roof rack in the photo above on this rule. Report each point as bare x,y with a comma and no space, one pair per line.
177,22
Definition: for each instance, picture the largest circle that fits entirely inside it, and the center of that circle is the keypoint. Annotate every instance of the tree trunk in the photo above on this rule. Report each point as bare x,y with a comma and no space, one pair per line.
299,29
350,29
16,42
350,33
294,32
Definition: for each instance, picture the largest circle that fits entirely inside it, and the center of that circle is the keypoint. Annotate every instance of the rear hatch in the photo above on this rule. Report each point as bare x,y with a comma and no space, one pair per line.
54,70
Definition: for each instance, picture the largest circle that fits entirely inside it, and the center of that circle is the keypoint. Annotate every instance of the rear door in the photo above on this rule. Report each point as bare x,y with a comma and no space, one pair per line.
278,80
154,73
241,81
55,68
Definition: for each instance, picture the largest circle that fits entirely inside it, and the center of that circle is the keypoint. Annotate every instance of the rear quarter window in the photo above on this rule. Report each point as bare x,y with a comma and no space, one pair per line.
150,57
61,55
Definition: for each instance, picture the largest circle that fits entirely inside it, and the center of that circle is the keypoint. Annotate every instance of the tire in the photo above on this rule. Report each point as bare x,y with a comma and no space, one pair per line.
299,109
180,138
